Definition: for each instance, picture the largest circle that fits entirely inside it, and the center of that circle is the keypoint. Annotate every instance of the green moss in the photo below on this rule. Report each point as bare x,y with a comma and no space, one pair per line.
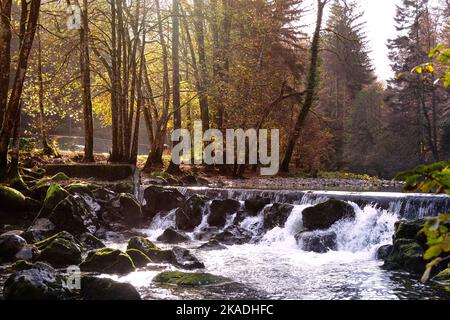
59,177
142,244
22,265
139,258
62,235
11,198
407,255
189,279
80,188
55,194
107,260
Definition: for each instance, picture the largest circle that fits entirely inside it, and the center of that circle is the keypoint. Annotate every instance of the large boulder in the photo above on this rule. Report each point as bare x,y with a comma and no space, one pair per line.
55,194
61,250
98,289
40,230
172,236
406,254
10,245
12,200
139,258
158,199
189,279
39,282
109,261
74,215
130,210
319,242
256,204
324,215
219,211
15,208
277,215
191,216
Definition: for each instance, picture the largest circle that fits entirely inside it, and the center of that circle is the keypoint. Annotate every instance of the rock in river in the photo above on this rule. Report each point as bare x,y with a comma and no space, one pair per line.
277,215
107,289
324,215
219,211
189,279
172,236
110,261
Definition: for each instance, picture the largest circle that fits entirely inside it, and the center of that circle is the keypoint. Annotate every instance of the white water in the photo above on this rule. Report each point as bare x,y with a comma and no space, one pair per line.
277,268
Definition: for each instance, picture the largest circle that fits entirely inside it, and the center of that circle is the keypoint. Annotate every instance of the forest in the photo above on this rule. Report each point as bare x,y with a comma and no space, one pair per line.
126,73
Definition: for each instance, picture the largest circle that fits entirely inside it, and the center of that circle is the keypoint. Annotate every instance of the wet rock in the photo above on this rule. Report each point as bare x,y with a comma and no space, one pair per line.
185,260
212,245
55,194
61,250
405,229
172,236
324,215
74,215
10,245
40,230
14,202
206,233
256,204
191,216
319,242
22,265
384,252
40,282
91,242
123,187
130,210
139,258
233,235
109,261
106,289
27,253
407,254
103,195
277,215
189,279
158,199
219,211
81,189
142,244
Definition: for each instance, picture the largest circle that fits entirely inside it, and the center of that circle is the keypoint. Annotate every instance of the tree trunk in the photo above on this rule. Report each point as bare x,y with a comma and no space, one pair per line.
310,91
86,81
5,57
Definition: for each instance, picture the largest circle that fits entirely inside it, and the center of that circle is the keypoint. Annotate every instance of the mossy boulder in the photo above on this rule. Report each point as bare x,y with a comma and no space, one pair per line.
40,282
139,258
59,177
74,215
109,261
406,254
91,242
81,189
22,265
11,199
61,250
189,279
55,194
98,289
324,215
142,244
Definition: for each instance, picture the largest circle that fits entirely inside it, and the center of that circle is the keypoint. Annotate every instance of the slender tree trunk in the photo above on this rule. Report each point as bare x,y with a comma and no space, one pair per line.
5,57
86,81
115,154
310,91
12,110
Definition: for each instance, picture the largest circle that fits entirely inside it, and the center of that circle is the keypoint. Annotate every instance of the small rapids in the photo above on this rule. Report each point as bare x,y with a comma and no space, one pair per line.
273,264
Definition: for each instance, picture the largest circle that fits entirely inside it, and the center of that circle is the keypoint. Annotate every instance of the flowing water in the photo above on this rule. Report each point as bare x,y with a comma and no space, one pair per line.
273,265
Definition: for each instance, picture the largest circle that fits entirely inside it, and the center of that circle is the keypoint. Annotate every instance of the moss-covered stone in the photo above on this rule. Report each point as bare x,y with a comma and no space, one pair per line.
139,258
11,199
142,244
22,265
443,277
61,250
107,260
407,254
80,188
189,279
55,194
59,177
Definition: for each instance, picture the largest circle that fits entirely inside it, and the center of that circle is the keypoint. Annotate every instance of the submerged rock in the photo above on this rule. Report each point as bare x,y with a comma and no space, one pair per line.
39,282
172,236
139,258
107,289
277,215
189,279
61,250
212,245
219,211
324,215
110,261
158,199
318,242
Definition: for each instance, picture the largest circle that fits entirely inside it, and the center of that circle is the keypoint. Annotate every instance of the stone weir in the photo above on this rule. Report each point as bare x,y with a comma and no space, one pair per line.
408,206
103,172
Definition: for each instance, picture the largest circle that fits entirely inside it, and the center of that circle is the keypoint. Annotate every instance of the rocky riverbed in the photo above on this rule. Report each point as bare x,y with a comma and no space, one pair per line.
159,243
